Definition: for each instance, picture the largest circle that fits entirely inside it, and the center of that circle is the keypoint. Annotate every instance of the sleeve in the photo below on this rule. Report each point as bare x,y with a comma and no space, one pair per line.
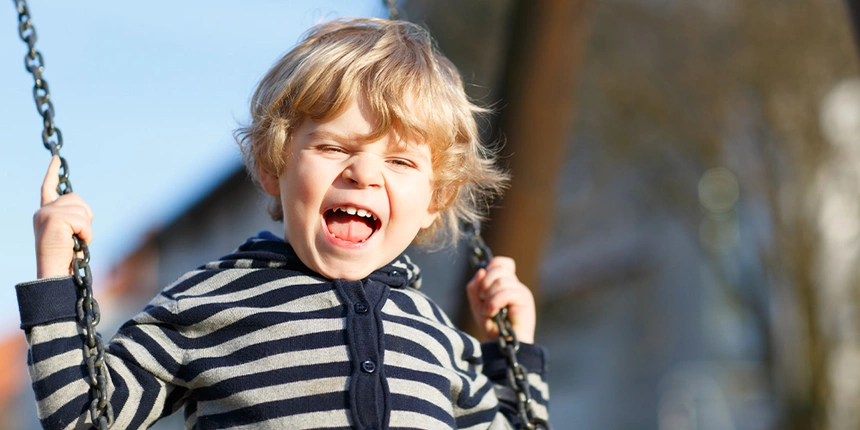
481,396
534,359
143,359
488,401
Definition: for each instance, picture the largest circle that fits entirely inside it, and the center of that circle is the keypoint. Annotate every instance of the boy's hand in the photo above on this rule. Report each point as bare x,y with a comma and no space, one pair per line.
54,224
495,287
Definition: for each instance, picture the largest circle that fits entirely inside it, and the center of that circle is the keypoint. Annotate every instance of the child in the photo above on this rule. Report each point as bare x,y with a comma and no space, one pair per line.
364,138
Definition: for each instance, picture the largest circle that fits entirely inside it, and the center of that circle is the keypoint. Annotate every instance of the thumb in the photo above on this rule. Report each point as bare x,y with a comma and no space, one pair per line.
473,288
52,180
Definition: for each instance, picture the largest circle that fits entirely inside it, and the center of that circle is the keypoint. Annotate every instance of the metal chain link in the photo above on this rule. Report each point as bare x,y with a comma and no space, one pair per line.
393,12
88,315
508,344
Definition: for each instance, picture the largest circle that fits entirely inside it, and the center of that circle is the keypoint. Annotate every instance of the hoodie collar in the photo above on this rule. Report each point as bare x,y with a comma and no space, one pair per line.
267,250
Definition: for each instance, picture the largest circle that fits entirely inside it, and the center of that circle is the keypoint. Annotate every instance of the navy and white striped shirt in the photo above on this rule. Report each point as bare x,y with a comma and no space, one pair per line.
258,340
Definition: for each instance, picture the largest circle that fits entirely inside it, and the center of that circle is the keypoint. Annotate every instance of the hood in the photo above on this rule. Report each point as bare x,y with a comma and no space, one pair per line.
267,250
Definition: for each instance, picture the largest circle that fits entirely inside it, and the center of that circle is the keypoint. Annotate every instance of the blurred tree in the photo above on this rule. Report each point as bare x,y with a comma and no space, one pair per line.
670,90
854,10
526,55
739,84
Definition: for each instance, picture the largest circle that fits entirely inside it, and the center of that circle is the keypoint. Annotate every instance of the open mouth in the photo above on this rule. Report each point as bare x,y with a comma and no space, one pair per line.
351,224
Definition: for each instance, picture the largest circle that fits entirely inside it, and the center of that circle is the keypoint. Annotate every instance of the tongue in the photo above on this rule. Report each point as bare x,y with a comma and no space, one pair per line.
351,228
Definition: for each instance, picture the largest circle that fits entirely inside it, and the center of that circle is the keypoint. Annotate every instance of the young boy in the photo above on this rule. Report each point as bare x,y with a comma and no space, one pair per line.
364,138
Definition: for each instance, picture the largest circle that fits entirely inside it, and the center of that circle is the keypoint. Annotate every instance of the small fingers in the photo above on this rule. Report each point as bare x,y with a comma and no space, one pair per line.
67,215
52,180
474,290
497,287
507,263
72,203
85,232
500,294
491,330
500,268
475,286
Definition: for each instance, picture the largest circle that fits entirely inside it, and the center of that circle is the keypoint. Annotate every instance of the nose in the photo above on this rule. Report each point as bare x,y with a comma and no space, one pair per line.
364,171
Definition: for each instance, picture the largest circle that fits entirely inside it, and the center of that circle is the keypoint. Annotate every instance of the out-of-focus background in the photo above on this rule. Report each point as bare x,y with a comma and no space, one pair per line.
685,203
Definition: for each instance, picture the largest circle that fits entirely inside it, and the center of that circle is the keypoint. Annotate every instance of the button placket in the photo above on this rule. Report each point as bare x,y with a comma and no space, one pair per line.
369,396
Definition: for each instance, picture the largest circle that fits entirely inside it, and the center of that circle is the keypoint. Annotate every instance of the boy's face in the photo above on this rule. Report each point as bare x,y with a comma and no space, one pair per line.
351,205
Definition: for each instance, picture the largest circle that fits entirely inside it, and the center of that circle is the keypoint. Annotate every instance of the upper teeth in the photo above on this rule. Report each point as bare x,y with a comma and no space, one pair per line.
354,211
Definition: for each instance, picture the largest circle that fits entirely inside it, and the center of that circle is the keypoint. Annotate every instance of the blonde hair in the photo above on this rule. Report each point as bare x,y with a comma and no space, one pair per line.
407,83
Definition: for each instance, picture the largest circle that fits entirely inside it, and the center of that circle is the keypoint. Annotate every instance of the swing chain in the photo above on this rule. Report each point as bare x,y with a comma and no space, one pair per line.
88,314
35,64
393,12
508,344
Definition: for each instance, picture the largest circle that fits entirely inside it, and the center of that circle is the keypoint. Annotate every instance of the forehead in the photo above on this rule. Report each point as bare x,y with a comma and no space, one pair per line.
359,123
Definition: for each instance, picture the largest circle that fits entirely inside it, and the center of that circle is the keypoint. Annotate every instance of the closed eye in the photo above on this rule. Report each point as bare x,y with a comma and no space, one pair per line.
401,162
330,149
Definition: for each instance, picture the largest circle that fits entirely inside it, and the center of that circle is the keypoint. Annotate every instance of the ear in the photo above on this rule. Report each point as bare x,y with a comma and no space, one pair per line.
269,181
429,218
442,199
432,213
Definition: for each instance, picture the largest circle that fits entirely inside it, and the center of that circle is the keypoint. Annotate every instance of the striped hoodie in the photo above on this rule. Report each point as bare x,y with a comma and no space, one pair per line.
256,340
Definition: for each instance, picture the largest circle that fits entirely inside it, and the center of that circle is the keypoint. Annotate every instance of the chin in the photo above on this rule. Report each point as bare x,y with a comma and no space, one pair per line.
344,269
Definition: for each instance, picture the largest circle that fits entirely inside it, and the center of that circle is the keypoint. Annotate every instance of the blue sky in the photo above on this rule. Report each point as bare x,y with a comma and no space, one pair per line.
146,97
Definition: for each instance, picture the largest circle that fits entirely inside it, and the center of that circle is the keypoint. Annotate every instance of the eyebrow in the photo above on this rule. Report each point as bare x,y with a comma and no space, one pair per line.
322,134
